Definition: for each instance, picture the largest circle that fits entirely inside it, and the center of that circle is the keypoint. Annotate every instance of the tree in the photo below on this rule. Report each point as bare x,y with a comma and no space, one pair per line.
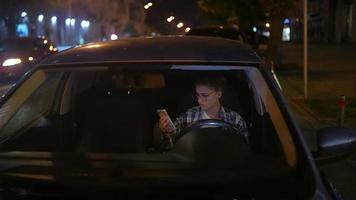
244,12
250,12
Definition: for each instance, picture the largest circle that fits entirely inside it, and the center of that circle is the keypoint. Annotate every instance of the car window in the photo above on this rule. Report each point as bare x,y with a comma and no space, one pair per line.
29,104
114,111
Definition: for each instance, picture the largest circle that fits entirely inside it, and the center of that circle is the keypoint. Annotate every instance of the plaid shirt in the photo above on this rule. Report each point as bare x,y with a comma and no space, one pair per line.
194,114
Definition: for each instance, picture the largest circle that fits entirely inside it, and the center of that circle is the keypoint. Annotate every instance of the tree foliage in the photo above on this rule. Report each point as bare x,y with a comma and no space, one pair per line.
246,12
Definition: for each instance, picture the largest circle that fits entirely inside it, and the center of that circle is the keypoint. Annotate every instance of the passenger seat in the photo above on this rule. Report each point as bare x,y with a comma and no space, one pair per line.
115,121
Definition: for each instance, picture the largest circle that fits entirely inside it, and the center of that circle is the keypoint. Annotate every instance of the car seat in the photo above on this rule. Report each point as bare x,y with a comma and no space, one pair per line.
114,121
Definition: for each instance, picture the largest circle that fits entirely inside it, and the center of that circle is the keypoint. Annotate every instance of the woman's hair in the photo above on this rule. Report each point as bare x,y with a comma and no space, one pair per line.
216,82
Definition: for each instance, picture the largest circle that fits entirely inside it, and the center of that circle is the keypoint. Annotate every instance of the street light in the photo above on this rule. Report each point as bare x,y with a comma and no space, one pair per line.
268,25
54,20
67,21
180,25
72,22
254,29
85,24
40,18
170,19
148,5
187,29
23,14
114,37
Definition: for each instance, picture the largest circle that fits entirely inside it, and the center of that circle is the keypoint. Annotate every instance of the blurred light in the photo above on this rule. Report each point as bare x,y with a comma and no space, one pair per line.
187,29
54,20
286,34
114,37
85,24
297,19
23,14
67,21
22,30
180,25
254,29
171,18
286,21
30,58
45,41
268,25
11,62
266,33
40,18
72,22
51,48
55,49
148,5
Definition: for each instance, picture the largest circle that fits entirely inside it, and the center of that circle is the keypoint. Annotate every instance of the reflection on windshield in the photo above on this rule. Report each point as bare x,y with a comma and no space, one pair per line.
107,120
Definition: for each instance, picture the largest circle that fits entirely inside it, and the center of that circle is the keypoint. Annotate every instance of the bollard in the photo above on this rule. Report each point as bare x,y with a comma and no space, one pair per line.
342,105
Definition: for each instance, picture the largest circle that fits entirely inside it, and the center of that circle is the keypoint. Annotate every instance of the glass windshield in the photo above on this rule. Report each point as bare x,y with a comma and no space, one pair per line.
221,122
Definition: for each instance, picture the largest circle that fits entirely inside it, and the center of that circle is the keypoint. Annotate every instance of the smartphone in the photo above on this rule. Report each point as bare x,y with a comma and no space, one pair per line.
162,113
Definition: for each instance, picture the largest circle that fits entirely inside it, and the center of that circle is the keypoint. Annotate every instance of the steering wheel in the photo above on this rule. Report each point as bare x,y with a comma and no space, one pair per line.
207,123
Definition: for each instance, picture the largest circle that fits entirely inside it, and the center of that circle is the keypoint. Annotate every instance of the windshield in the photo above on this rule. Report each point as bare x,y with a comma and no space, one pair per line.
114,115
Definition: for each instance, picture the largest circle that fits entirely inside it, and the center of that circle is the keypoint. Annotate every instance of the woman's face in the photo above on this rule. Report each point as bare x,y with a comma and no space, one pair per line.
207,96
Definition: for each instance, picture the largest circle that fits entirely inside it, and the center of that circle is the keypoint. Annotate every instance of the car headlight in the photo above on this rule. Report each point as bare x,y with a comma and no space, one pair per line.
11,62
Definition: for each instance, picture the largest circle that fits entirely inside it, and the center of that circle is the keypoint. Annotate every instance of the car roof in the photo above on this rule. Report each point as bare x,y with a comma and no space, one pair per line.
157,49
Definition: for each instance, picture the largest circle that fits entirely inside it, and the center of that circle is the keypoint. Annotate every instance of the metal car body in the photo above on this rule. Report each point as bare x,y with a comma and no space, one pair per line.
18,55
83,124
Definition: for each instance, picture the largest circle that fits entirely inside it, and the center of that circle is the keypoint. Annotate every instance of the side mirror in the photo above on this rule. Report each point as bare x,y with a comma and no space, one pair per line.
335,144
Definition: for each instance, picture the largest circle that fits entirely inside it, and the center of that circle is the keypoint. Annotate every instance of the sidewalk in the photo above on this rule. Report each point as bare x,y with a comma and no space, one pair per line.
332,72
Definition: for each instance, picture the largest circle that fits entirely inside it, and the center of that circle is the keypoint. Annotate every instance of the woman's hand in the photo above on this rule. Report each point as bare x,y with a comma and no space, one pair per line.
165,126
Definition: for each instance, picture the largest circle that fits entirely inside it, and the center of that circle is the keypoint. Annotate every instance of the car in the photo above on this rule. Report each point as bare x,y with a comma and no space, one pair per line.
255,40
18,55
83,124
218,31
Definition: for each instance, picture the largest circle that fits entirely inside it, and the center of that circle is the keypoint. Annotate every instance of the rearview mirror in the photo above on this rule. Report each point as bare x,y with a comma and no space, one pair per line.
335,144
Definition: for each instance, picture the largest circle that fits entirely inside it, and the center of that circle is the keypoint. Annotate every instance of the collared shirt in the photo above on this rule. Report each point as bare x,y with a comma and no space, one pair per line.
194,114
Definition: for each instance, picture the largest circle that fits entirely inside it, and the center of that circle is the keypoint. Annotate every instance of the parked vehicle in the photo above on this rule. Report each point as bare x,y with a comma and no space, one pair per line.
218,31
83,124
18,55
255,40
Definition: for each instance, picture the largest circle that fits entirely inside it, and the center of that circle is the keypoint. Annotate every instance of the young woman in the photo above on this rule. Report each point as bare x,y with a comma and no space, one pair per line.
208,93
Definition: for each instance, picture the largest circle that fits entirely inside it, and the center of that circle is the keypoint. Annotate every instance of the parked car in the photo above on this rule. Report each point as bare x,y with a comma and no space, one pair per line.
255,40
218,31
18,55
83,124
